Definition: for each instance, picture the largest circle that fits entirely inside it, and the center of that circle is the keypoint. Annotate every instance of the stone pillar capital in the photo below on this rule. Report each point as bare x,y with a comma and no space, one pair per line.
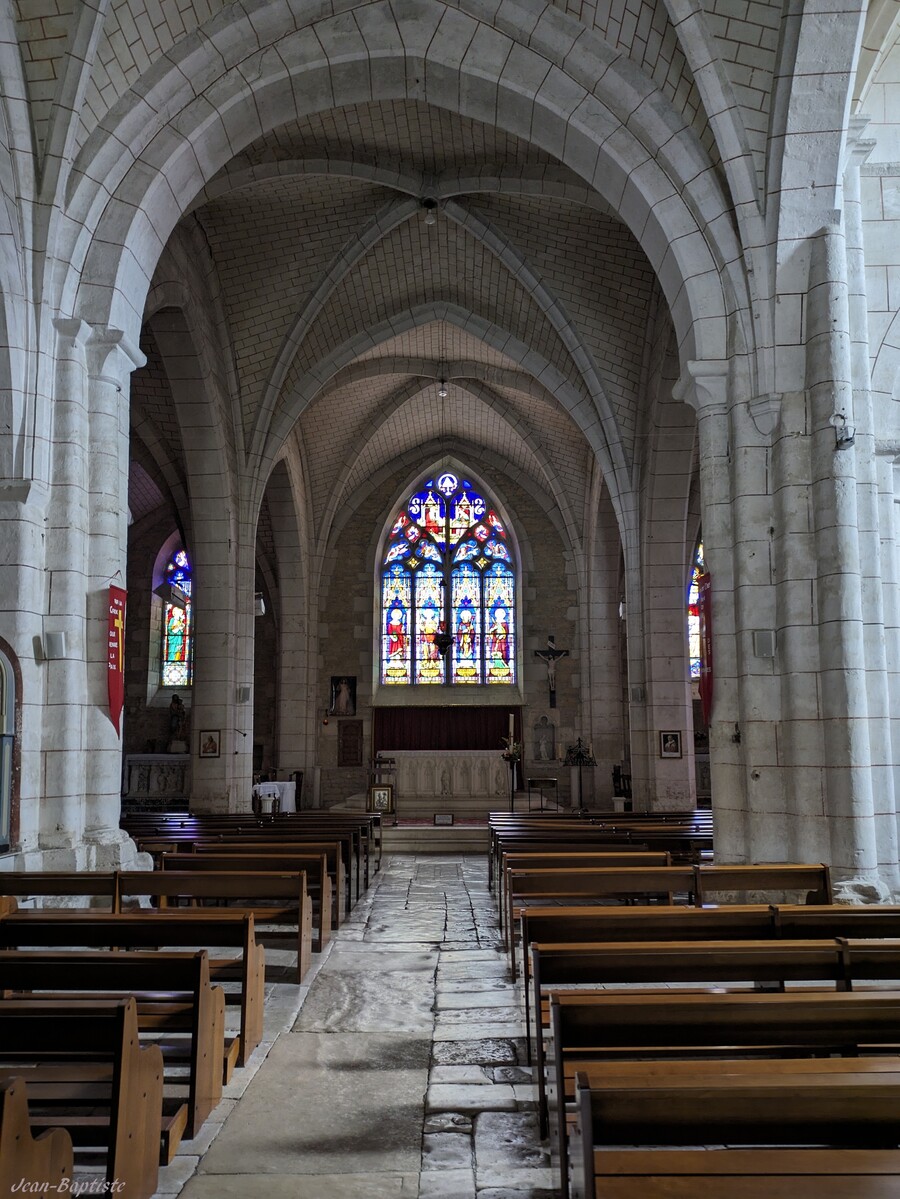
112,356
704,386
72,332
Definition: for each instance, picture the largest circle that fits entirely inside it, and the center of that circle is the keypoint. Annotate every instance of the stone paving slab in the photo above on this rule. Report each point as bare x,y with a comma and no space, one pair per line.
326,1101
300,1186
442,1097
369,1003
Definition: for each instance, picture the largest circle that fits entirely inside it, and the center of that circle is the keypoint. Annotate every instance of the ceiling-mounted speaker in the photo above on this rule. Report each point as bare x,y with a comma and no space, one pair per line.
54,645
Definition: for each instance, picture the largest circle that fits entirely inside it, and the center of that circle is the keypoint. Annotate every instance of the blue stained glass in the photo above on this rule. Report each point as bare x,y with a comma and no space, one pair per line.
474,603
467,550
177,640
395,648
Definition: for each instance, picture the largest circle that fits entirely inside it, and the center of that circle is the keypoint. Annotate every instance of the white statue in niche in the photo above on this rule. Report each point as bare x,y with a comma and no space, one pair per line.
446,782
544,741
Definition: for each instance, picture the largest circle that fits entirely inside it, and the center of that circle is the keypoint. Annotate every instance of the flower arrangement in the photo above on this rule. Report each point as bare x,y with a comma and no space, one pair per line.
512,751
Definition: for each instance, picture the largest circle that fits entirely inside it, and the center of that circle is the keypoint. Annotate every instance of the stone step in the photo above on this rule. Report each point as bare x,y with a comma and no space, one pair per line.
426,839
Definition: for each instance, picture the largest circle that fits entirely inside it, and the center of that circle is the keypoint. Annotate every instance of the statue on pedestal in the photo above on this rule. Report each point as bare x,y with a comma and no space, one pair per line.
177,726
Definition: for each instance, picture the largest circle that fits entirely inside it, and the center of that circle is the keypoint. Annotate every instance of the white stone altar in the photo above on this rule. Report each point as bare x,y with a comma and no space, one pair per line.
454,780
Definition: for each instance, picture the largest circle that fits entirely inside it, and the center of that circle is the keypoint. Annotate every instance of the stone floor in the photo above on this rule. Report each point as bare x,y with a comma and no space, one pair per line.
397,1070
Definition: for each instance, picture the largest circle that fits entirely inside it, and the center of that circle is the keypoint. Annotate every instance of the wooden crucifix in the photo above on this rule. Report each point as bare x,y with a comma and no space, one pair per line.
549,656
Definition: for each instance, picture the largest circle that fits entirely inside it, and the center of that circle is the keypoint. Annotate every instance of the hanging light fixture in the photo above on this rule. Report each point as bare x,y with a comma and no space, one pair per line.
429,204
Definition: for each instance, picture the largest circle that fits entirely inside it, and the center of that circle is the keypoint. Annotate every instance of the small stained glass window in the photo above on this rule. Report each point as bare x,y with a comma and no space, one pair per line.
177,639
458,588
693,611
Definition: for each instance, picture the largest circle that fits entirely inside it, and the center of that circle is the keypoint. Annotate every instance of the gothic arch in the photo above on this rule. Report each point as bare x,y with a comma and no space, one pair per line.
674,204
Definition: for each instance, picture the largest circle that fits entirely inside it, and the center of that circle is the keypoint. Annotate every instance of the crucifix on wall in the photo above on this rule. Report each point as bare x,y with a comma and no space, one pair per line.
549,656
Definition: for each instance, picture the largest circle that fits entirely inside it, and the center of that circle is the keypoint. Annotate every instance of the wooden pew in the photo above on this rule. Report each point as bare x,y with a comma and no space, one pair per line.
314,866
212,927
772,1112
687,836
511,860
749,963
813,878
174,996
271,897
129,1081
594,1025
334,851
605,883
45,1159
755,922
89,885
340,846
367,824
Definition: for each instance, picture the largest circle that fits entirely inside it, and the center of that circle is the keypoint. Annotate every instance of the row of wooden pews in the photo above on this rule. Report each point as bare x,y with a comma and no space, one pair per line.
113,991
663,1027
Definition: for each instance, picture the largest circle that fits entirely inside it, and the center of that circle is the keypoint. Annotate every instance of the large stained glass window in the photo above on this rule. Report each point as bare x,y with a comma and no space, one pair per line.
693,612
177,639
448,583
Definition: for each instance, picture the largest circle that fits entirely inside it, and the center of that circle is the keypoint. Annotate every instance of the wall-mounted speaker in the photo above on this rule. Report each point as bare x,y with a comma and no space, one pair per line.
243,693
259,604
54,645
764,643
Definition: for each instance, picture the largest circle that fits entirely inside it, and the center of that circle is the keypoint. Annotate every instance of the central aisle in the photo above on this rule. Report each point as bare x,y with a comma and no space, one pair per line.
403,1074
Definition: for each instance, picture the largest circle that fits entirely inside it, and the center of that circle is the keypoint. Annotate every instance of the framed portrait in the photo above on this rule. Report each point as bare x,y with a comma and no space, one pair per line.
381,797
343,695
670,744
210,743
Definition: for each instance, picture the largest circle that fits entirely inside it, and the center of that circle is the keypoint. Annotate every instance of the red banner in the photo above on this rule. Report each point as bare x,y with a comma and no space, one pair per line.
704,611
116,654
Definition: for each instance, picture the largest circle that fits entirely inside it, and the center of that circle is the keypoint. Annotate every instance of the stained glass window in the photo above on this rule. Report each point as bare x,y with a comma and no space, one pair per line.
448,577
693,612
177,640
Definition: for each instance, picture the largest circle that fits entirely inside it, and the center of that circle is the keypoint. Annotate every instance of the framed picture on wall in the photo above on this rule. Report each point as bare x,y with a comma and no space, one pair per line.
381,797
210,743
343,695
670,745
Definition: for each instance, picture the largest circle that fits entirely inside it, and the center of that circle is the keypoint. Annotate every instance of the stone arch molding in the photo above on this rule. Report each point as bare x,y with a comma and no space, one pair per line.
567,92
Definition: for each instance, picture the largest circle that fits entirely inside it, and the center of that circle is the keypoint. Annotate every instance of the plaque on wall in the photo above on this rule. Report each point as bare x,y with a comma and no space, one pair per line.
350,743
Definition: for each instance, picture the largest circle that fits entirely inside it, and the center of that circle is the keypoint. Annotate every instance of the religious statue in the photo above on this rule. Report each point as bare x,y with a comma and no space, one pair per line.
177,725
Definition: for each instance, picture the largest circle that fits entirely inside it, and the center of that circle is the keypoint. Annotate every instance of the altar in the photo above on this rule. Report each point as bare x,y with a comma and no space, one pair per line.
465,782
283,795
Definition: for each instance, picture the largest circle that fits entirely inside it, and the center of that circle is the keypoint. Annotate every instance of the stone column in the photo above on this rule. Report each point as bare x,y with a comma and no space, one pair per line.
68,523
871,559
704,385
848,794
110,358
223,557
665,572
